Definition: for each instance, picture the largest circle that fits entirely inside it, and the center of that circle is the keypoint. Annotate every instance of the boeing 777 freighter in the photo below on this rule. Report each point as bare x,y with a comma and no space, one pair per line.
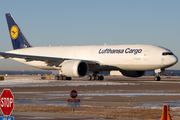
76,61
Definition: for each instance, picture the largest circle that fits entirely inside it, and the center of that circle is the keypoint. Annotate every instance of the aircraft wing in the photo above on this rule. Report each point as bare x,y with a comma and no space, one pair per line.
48,60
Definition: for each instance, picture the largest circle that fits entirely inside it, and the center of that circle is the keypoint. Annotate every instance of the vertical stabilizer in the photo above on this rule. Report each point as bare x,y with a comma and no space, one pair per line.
18,39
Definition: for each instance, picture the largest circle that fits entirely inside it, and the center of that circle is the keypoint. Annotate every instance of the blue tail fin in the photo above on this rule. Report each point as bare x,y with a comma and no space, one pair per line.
18,39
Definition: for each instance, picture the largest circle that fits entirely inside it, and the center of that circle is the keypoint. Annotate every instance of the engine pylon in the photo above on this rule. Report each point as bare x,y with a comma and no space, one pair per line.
166,113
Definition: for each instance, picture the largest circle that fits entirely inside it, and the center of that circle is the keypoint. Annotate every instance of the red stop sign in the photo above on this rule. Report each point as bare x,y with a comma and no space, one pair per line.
7,102
73,94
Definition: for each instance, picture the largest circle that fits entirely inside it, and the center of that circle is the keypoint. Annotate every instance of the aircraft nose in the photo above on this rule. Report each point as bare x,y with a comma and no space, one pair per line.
174,59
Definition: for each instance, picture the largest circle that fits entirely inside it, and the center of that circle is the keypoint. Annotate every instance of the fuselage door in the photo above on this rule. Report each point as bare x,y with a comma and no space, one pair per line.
146,54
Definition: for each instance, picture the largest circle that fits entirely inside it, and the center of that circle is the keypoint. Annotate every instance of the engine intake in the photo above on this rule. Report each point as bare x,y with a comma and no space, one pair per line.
74,68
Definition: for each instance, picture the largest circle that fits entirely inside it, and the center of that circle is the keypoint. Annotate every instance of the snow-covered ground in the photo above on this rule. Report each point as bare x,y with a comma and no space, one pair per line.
30,82
54,95
33,82
124,93
48,97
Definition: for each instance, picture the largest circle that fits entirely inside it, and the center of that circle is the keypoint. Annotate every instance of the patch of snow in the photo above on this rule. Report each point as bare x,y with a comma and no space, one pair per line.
31,82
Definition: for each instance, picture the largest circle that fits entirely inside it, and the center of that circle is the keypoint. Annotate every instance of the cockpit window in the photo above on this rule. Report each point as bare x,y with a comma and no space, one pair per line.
167,53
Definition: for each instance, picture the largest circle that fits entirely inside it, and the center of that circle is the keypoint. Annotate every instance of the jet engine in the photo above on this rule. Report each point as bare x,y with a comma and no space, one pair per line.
74,68
132,73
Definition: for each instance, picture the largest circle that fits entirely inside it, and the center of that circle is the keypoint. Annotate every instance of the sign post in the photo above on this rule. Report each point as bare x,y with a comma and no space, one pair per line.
7,104
73,103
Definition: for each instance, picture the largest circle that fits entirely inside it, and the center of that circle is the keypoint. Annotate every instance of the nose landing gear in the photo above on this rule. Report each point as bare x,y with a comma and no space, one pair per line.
157,76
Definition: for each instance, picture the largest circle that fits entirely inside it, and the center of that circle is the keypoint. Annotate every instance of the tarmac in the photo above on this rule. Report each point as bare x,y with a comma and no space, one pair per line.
116,98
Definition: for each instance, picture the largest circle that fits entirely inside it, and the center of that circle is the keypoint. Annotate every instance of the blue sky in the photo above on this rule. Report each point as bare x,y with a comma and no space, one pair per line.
92,22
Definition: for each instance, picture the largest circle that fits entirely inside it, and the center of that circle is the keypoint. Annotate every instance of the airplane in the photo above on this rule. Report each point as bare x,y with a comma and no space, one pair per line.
75,61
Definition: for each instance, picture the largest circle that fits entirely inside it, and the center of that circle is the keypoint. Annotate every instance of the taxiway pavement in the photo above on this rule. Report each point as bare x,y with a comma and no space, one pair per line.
113,92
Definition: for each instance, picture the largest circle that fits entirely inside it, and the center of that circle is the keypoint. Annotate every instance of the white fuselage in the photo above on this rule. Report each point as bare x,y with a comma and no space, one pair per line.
109,57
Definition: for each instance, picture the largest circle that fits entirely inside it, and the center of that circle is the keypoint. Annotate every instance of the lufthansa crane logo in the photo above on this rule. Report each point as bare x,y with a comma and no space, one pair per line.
14,32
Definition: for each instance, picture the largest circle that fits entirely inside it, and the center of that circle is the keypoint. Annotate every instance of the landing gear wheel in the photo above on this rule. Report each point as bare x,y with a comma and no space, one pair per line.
92,77
89,77
101,77
68,78
157,78
96,77
56,77
62,77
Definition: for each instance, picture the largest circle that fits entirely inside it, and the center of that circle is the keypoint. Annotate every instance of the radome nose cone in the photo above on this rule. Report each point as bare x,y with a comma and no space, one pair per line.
174,59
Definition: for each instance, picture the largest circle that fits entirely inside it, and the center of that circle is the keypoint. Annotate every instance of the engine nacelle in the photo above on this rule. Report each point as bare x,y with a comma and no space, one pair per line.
132,73
74,68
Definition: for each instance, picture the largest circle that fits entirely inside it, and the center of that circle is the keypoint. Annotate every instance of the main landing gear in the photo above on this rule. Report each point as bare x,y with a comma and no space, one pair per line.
157,76
95,77
62,77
